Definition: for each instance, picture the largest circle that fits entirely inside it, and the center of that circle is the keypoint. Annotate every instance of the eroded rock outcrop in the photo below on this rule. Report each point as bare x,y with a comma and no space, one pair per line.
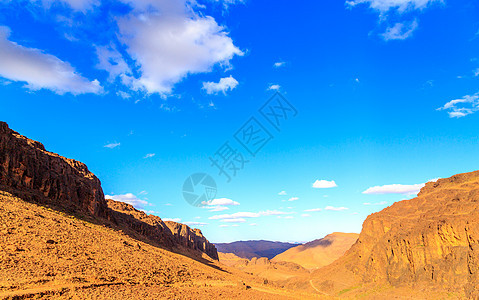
172,234
30,172
431,240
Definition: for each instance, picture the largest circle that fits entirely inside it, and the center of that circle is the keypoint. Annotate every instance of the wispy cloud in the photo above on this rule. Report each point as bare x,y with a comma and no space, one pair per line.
462,107
377,203
274,87
220,201
305,215
129,198
313,209
396,8
195,223
293,199
177,220
219,204
401,6
400,31
246,215
405,189
217,208
224,85
324,184
335,208
112,145
239,220
282,193
279,64
149,155
41,70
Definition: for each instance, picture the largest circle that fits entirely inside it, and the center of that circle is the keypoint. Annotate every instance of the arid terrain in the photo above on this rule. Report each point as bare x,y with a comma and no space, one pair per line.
320,252
60,238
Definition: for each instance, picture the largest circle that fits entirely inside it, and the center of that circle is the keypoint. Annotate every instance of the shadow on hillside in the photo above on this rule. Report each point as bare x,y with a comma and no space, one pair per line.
118,221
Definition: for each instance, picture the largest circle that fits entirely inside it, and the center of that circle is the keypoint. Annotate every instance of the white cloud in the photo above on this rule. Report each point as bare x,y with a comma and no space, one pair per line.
79,5
313,209
401,6
404,189
219,204
168,40
253,224
462,107
129,198
217,208
41,70
293,199
195,223
224,225
149,155
279,64
244,215
239,220
274,87
177,220
220,201
377,203
224,85
335,208
400,31
324,184
123,94
305,215
282,193
112,145
385,8
110,60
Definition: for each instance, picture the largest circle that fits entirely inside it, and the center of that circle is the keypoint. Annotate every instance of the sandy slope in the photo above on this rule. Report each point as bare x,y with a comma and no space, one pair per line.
320,252
48,253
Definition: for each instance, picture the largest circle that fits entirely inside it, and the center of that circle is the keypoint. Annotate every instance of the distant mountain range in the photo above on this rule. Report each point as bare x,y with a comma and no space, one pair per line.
250,249
423,248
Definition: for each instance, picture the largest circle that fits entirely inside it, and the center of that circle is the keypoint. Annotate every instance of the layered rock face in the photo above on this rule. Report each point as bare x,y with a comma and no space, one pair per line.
431,240
30,172
172,234
191,238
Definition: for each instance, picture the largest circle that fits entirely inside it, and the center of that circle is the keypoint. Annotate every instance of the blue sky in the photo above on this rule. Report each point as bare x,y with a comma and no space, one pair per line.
145,92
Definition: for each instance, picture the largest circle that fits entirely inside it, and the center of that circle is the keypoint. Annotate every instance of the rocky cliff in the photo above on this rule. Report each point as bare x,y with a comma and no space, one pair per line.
428,241
30,172
172,234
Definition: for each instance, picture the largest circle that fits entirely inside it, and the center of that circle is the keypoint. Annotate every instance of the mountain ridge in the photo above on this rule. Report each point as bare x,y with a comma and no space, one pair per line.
30,172
319,252
430,242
